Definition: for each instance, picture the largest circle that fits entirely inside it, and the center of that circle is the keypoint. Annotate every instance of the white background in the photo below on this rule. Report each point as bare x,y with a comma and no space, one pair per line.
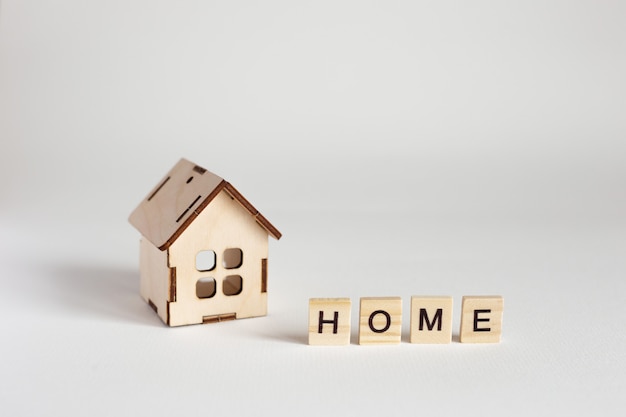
402,147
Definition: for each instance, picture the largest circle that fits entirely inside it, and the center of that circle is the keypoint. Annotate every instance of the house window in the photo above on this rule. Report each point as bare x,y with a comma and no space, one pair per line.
205,260
233,258
205,287
232,285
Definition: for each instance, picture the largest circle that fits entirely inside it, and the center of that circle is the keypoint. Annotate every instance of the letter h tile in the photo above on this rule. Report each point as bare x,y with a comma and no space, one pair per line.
329,321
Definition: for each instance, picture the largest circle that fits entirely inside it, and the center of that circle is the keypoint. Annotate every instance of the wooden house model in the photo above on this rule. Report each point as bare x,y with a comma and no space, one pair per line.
203,250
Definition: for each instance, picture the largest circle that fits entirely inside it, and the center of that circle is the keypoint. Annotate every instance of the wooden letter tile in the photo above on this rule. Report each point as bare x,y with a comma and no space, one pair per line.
431,319
380,320
481,319
329,321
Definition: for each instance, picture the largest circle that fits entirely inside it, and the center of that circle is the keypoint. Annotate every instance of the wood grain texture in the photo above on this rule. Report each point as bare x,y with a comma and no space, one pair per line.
431,319
329,321
174,203
481,319
164,212
222,225
380,320
154,278
192,210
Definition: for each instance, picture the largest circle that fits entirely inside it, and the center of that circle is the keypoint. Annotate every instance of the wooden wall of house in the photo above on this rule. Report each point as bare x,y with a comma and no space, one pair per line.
223,224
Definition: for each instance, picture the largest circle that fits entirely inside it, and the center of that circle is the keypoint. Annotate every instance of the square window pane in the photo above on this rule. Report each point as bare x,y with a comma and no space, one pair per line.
205,287
232,285
233,258
205,260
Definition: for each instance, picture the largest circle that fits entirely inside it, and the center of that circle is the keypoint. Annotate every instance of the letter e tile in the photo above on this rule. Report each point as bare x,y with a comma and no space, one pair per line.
481,319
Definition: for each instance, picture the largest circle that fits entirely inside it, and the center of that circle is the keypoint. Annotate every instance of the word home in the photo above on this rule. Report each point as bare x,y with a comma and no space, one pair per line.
380,320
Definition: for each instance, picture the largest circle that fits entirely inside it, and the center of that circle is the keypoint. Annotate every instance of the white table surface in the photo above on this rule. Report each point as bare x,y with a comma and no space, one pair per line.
403,148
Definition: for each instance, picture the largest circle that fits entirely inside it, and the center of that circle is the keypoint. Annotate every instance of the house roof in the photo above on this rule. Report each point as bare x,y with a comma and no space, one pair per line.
179,198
